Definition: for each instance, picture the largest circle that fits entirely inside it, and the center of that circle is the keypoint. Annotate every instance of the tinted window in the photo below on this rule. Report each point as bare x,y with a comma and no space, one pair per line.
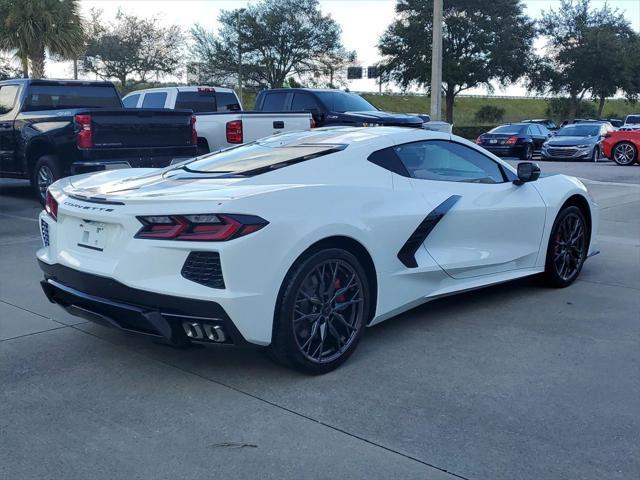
154,100
7,98
54,97
228,102
131,101
345,102
274,102
634,119
258,157
196,101
533,130
448,161
509,129
544,130
303,101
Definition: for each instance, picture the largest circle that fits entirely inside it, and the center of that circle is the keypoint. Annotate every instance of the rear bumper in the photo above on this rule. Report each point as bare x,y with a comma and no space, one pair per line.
505,150
176,320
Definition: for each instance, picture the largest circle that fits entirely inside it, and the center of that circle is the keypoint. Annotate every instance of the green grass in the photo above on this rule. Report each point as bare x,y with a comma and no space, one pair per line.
465,107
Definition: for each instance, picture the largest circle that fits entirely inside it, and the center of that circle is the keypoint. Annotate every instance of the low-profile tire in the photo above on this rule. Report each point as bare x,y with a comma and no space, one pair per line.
527,153
567,248
322,311
45,172
624,153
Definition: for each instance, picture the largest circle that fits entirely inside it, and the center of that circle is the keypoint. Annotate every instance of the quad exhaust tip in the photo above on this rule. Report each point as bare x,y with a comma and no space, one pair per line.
204,331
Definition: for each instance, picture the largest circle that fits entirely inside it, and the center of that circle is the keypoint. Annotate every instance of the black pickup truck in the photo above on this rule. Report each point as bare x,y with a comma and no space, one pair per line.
54,128
332,107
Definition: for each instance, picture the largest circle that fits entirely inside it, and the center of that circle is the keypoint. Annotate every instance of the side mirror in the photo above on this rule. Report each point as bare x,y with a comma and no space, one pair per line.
527,172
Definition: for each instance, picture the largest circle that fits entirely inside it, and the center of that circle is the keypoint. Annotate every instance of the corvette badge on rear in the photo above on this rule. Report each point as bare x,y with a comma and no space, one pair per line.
297,242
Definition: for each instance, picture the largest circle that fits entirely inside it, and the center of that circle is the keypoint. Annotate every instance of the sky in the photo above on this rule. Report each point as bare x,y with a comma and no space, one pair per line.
362,22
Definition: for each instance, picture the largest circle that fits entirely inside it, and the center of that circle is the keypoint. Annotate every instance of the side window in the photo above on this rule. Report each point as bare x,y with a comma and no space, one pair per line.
227,102
8,95
533,129
303,101
274,102
544,130
154,100
448,162
131,101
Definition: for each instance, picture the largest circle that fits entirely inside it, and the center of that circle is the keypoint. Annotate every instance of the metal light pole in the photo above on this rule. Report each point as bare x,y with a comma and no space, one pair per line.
436,62
239,28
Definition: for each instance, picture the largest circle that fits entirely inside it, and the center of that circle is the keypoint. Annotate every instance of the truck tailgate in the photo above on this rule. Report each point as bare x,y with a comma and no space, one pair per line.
134,128
258,125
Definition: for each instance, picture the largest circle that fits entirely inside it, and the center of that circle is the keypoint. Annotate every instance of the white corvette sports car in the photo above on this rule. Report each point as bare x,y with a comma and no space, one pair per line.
299,241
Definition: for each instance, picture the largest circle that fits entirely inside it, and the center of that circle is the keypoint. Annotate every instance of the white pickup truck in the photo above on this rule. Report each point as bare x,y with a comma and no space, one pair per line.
220,120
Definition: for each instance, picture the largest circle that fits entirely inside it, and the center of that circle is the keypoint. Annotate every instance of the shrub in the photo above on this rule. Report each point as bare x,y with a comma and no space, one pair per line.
489,114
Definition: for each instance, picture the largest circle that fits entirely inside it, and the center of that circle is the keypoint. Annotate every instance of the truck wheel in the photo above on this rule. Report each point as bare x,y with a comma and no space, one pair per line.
45,172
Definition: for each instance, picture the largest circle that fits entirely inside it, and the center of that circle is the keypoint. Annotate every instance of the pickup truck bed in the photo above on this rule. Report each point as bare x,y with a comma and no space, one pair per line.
220,120
50,129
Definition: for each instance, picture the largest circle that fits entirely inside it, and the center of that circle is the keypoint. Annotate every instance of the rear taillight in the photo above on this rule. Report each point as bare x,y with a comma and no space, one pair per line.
607,135
51,206
84,137
479,140
511,140
234,131
194,132
202,227
312,123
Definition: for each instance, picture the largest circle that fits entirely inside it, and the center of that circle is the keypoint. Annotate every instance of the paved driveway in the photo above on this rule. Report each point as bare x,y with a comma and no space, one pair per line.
511,382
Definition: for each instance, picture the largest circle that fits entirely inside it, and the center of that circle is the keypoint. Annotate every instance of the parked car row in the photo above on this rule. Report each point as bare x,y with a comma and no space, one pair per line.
582,140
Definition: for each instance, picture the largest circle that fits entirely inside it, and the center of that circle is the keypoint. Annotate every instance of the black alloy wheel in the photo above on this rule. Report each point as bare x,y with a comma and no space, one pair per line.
322,313
567,248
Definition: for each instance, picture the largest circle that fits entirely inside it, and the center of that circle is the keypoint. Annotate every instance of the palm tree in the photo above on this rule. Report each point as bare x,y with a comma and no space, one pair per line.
33,28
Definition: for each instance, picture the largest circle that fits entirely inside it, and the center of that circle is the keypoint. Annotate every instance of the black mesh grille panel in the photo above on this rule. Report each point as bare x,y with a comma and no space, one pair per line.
44,230
204,268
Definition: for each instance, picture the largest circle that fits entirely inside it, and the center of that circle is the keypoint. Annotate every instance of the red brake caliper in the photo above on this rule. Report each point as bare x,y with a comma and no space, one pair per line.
338,285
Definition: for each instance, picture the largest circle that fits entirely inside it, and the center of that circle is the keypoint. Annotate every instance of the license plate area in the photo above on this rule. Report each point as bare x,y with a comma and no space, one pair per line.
493,141
92,235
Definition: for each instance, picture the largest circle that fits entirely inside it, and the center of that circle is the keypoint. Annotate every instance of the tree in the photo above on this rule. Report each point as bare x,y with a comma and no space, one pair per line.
274,38
588,51
483,42
132,49
6,69
31,29
488,114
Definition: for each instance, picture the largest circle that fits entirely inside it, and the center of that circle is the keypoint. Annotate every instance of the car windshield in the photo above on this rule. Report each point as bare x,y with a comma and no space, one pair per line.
345,102
258,157
635,119
508,129
579,131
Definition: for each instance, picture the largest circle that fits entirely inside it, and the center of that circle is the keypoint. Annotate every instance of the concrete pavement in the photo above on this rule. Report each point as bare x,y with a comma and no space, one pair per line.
513,381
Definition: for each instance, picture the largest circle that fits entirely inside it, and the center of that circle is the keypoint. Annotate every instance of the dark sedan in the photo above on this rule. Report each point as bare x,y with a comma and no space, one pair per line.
520,140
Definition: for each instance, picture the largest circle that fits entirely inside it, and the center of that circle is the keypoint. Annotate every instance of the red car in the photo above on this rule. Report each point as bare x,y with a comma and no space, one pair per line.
622,146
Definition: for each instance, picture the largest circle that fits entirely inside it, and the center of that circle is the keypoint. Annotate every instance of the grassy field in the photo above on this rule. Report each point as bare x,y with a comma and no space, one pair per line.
466,107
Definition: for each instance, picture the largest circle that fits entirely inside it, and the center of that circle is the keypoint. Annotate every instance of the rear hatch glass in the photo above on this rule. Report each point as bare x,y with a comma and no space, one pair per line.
258,157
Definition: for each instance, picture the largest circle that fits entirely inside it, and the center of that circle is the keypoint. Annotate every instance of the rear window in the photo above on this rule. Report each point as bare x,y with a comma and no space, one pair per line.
633,119
8,95
131,101
227,102
154,100
197,101
258,157
55,97
274,102
509,129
